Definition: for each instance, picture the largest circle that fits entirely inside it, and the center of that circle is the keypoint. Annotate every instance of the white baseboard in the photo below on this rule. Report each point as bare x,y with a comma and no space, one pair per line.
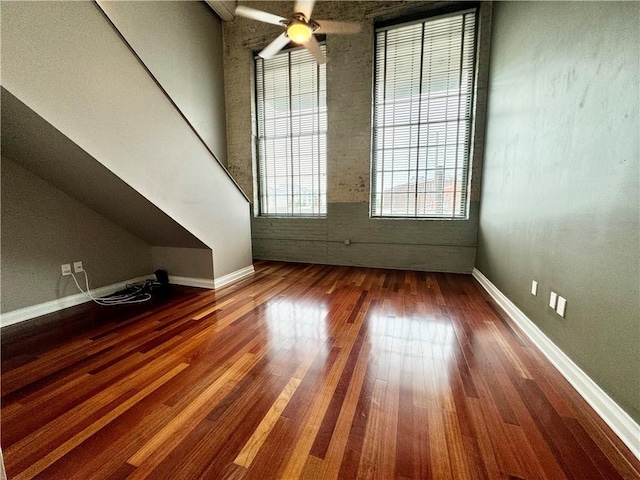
40,309
210,283
192,282
27,313
234,276
619,420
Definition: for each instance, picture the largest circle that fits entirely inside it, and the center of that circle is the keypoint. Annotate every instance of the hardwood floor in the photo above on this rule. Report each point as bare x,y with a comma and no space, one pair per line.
301,371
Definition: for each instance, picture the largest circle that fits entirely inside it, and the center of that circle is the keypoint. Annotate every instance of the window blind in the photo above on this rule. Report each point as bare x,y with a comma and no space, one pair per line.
423,109
292,127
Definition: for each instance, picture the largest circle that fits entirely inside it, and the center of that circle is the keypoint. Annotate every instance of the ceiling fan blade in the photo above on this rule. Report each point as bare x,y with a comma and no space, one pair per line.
258,15
314,47
331,26
304,7
274,47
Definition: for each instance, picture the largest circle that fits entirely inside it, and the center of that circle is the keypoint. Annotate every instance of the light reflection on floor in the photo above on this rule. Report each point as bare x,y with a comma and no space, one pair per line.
297,326
423,344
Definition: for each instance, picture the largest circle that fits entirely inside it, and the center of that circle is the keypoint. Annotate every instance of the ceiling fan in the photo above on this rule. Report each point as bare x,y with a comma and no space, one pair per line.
298,28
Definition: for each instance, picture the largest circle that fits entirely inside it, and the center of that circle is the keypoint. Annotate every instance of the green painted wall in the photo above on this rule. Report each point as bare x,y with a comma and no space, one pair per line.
560,201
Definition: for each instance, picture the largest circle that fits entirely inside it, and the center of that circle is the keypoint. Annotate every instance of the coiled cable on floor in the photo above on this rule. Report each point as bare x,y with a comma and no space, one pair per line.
136,296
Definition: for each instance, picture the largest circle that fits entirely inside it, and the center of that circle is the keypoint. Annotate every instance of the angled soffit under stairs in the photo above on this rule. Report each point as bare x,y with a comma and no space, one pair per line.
37,146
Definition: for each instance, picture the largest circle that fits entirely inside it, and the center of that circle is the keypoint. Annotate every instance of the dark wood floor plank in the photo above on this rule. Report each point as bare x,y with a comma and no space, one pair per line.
537,443
321,442
337,446
568,452
358,430
300,371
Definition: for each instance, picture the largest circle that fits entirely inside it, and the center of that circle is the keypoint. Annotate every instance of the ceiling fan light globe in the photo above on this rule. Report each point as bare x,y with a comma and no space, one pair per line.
299,32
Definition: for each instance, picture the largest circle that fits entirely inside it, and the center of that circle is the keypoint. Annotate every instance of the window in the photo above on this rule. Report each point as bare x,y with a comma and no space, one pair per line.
423,114
292,130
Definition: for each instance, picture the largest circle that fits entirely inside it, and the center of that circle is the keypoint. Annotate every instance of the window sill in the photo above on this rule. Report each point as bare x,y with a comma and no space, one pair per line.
291,217
442,219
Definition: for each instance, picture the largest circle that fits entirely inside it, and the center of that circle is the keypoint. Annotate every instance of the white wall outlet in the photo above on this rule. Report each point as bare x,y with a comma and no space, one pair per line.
534,287
77,267
562,305
66,269
553,298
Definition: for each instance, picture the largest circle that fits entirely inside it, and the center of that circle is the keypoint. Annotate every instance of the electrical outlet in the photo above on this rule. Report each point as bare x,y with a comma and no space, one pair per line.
553,298
562,305
534,288
77,267
66,269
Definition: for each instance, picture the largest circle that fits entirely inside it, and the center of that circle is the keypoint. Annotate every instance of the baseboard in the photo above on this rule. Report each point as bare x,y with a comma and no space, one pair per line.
192,282
213,284
27,313
40,309
619,420
234,276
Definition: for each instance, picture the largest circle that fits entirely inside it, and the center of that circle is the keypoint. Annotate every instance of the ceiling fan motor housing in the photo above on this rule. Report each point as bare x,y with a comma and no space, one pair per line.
299,32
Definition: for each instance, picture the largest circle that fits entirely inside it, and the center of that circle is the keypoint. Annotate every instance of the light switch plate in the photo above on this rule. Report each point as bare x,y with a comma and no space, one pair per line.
534,288
562,305
553,298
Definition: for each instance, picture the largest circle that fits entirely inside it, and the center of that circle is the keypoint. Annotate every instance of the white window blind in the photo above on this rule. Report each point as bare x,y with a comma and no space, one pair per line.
423,107
292,126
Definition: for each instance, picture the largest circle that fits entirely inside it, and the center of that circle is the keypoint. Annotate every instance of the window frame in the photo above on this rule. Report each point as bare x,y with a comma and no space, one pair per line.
423,18
260,210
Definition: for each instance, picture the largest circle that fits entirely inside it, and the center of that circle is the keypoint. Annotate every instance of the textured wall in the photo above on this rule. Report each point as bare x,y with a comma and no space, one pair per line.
42,228
402,243
560,200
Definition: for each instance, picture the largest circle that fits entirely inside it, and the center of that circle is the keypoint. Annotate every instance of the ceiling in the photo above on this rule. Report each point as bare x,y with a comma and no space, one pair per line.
224,8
